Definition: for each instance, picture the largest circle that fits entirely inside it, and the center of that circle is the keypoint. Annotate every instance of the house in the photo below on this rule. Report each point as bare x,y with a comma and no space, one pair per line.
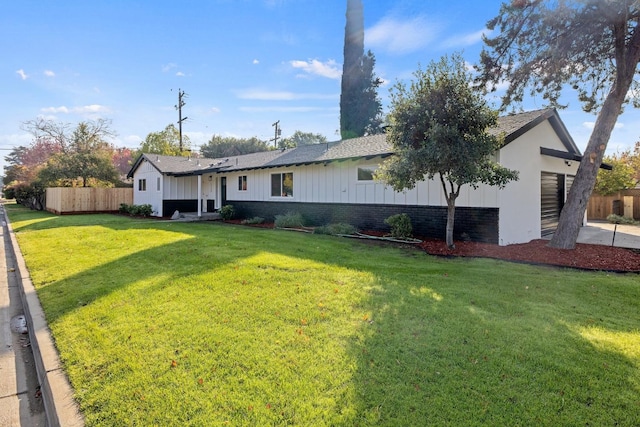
333,182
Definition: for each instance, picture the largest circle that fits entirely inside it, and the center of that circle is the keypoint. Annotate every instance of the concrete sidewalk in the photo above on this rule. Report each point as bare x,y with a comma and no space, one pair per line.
33,391
20,396
602,233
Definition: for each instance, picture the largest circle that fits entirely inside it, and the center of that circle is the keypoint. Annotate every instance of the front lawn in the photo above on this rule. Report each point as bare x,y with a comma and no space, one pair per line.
168,323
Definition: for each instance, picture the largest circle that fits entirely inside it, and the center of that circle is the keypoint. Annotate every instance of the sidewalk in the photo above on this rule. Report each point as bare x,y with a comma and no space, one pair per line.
20,397
34,390
602,233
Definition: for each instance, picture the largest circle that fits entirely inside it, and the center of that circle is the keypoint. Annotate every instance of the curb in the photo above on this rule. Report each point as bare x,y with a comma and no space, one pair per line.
60,407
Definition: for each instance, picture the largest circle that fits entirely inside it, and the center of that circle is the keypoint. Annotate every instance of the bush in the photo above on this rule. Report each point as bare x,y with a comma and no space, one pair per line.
335,229
289,220
617,219
254,220
401,227
136,210
227,212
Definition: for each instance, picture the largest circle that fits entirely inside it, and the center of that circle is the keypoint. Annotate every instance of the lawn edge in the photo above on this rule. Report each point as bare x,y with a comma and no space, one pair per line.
61,408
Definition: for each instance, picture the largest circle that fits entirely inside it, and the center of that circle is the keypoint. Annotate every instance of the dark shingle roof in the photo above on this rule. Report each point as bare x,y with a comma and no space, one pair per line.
512,126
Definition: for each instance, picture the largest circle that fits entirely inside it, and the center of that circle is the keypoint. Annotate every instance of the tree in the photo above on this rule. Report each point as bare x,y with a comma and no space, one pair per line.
360,107
88,158
591,45
219,146
439,127
166,142
84,153
300,138
623,174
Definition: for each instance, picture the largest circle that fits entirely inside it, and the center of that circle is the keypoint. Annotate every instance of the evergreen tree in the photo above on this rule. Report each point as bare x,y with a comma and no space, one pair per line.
360,107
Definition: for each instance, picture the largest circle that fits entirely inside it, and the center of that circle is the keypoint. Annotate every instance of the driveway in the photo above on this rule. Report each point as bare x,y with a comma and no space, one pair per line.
602,233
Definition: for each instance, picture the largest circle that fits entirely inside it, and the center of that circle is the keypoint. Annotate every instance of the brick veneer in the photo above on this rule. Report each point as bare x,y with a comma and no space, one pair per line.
475,224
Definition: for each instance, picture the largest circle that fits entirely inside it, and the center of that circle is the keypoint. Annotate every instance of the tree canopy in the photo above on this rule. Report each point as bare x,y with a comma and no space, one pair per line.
225,146
300,138
166,142
360,106
545,46
625,173
438,128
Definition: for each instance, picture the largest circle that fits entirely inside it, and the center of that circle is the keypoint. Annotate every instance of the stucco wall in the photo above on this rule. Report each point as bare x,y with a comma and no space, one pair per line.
519,201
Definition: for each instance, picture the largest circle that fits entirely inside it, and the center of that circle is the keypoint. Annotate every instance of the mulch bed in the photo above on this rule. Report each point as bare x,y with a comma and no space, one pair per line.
584,256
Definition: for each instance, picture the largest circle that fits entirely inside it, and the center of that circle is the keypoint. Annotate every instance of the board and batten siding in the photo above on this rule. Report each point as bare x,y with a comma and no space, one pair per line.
337,182
151,196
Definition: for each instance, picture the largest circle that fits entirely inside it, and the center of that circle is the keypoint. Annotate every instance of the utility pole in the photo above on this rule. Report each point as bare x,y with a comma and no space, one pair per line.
278,133
181,103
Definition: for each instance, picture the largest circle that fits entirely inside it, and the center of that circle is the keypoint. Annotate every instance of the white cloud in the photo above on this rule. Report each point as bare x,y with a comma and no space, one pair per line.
49,73
180,74
327,69
168,67
591,125
22,74
255,62
402,36
464,40
266,95
55,110
87,109
91,109
275,109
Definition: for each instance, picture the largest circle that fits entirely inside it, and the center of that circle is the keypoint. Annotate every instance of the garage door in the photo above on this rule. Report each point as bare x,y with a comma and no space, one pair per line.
553,190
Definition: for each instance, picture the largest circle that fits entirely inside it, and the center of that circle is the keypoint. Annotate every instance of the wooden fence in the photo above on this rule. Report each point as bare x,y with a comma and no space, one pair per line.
625,203
67,200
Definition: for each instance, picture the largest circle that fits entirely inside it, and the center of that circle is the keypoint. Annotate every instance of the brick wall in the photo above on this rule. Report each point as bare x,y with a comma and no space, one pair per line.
475,224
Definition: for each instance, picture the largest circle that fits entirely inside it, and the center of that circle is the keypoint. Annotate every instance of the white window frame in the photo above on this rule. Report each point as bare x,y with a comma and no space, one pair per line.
142,184
370,168
243,183
283,193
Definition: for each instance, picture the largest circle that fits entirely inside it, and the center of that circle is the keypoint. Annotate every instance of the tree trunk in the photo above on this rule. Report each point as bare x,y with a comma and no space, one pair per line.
451,215
573,211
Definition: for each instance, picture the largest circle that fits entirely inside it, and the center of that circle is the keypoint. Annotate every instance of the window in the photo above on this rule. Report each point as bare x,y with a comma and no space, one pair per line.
365,173
142,185
282,184
242,183
158,184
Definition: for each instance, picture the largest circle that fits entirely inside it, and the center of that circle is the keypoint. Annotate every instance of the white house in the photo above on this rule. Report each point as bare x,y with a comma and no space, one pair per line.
329,183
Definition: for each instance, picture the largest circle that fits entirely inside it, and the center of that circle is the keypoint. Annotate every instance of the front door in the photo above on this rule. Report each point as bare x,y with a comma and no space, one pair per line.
223,191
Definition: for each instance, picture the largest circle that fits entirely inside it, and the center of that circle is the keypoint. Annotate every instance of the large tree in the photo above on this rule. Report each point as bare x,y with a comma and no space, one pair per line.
225,146
360,106
624,175
87,158
300,138
165,142
438,128
83,154
592,46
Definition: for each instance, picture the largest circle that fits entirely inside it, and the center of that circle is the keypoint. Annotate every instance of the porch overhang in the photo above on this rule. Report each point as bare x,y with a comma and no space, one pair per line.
568,156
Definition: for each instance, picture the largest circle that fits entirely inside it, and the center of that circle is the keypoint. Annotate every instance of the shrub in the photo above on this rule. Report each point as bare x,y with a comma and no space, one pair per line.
227,212
289,220
136,210
401,227
254,220
617,219
335,229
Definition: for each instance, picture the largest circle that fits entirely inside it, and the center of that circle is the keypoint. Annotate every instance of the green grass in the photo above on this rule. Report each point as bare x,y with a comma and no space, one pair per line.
166,323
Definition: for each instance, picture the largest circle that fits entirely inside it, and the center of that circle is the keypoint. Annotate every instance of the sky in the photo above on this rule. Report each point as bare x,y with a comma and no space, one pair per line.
243,64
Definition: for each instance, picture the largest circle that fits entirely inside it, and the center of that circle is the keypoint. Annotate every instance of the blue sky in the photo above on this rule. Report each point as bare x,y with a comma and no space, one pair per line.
243,63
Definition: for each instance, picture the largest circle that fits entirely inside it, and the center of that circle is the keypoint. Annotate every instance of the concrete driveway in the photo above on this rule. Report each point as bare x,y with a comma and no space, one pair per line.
602,233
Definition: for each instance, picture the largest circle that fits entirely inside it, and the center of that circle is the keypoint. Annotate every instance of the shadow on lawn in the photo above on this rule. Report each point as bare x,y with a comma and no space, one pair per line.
456,342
